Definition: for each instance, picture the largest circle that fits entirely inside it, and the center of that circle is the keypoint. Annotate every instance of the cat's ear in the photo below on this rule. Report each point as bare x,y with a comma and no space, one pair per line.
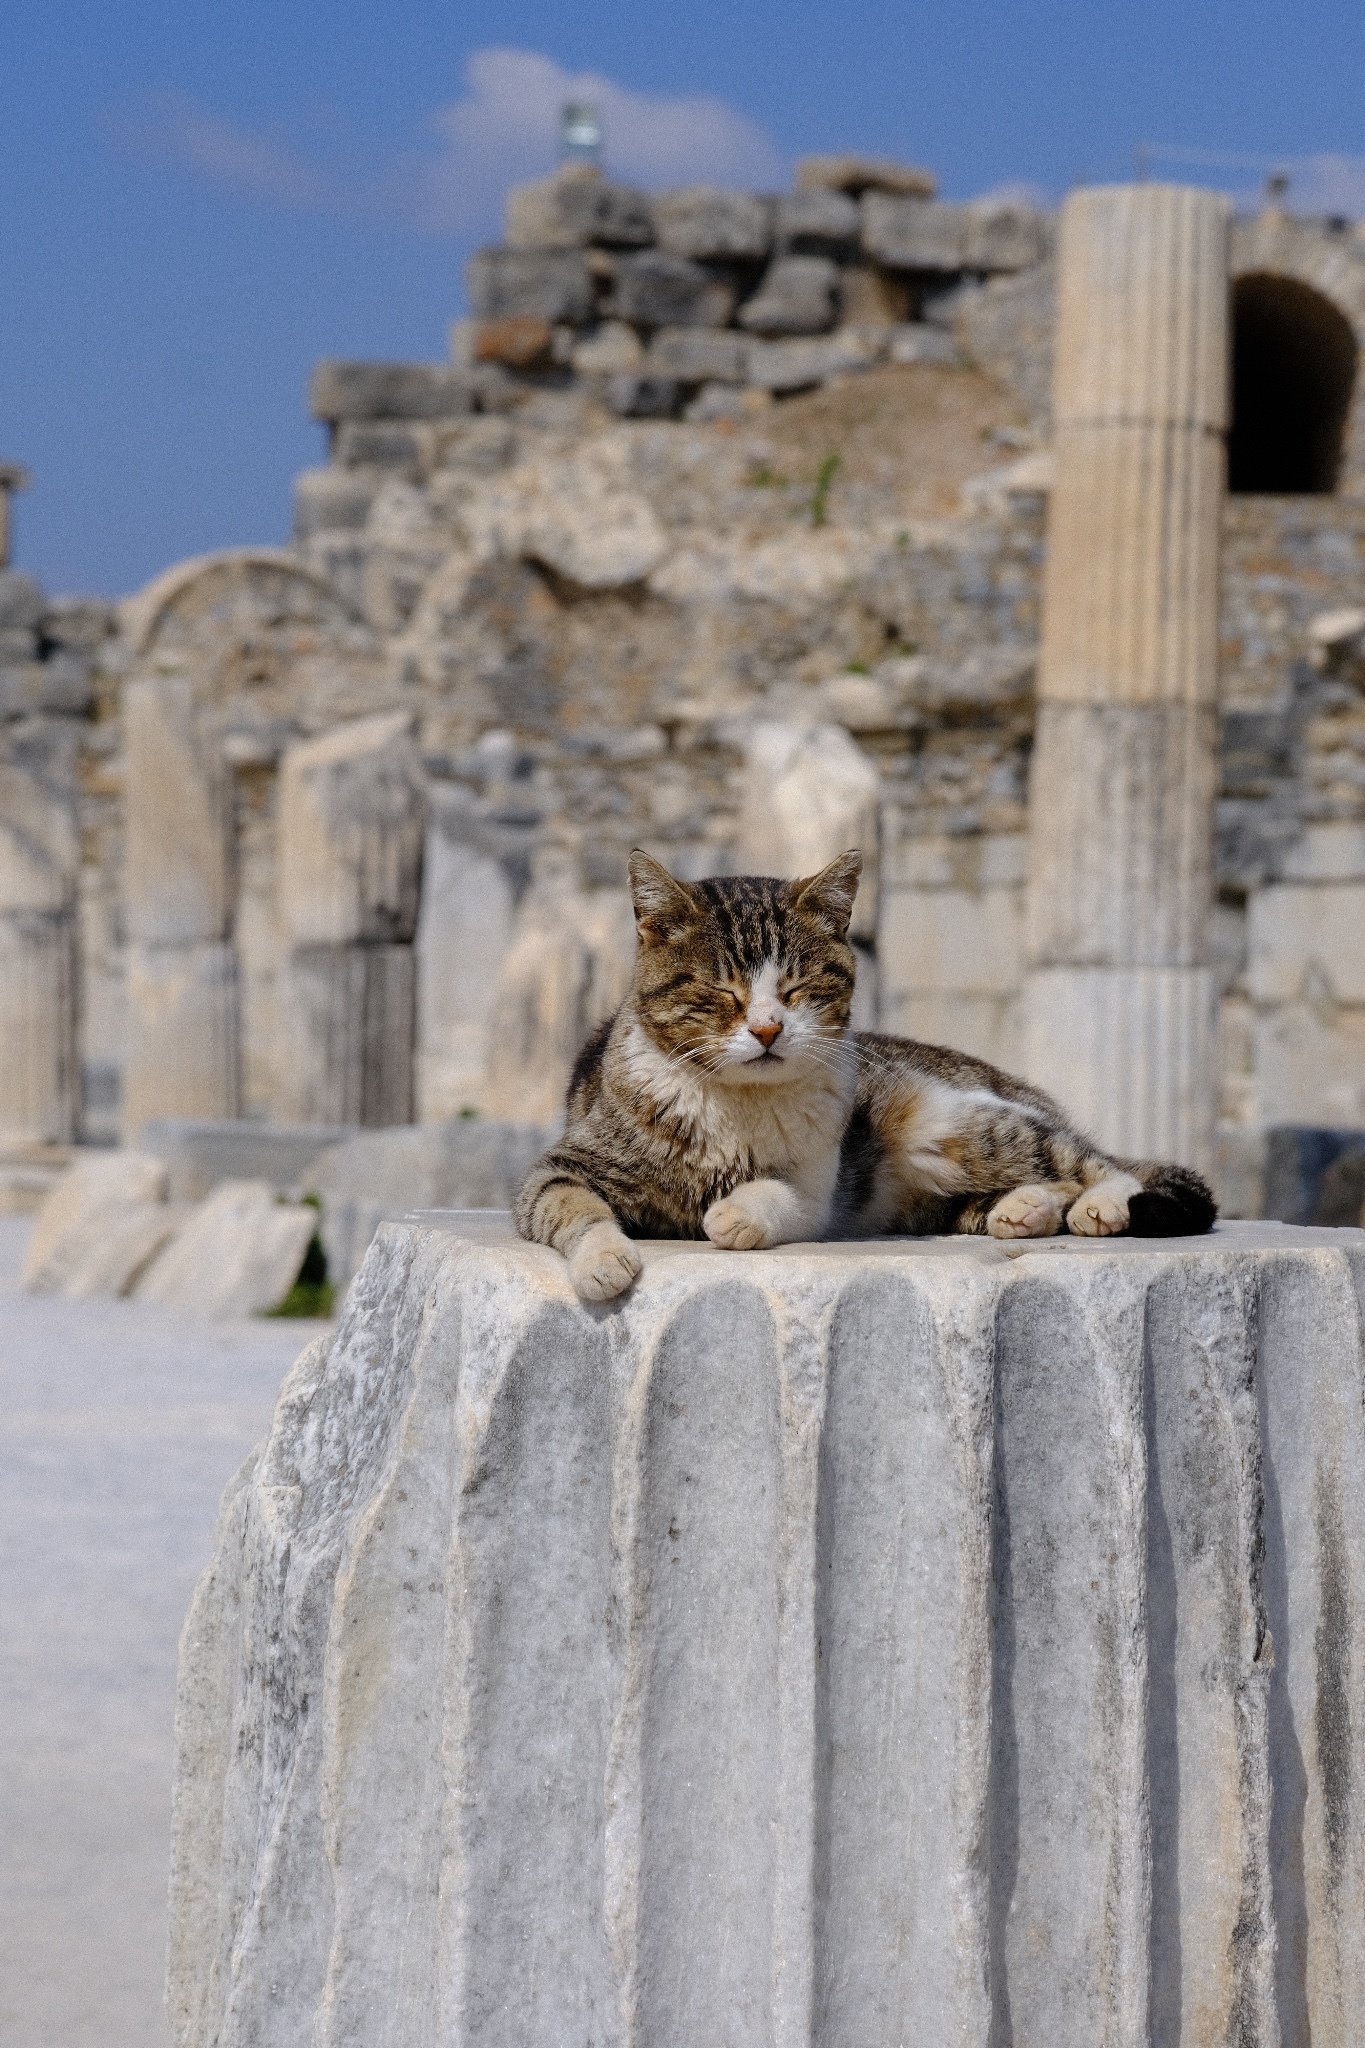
828,896
662,905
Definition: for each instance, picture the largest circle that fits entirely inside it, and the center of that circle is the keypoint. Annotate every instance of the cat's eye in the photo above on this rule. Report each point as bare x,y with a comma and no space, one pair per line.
740,1002
792,994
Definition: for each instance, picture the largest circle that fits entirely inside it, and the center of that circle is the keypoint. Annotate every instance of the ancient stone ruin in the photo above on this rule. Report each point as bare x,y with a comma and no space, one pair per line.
726,532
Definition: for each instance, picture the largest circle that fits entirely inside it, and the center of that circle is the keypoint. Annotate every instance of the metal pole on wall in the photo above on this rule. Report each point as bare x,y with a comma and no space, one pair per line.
1120,1000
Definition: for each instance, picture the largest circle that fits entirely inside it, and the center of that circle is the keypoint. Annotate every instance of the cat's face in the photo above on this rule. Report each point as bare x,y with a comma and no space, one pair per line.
743,980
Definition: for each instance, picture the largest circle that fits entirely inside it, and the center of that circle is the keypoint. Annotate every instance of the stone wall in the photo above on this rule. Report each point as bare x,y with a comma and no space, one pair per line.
605,629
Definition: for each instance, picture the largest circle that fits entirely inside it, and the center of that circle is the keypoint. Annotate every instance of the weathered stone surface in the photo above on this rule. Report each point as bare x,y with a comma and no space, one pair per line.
548,284
177,878
401,391
408,447
662,290
856,174
1006,328
798,295
183,1051
914,234
336,499
697,355
633,397
794,365
575,207
915,341
353,814
90,1197
21,600
39,1077
38,840
379,1176
862,1643
237,1254
348,1016
816,223
463,936
614,348
1003,236
577,513
810,794
200,1153
704,220
521,340
111,1255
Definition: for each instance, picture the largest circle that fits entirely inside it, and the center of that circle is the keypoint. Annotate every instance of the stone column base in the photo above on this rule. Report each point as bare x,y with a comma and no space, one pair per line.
847,1644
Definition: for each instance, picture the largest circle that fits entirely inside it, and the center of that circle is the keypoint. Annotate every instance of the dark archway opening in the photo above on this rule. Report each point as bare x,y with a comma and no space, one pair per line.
1293,366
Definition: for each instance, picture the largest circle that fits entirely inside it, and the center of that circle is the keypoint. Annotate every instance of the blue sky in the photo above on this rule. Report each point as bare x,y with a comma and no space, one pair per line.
196,202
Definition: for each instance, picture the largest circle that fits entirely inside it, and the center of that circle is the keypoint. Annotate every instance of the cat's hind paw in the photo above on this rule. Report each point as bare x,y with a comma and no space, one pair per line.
1027,1212
1102,1210
603,1264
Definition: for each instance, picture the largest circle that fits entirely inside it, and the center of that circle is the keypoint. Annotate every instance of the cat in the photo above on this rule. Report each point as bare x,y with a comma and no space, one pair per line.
727,1098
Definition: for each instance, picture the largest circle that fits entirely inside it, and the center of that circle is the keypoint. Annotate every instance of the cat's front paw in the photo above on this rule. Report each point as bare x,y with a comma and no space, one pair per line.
1102,1211
603,1263
748,1220
1027,1212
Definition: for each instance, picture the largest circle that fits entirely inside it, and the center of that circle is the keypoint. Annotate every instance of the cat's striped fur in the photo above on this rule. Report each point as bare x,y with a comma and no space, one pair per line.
728,1099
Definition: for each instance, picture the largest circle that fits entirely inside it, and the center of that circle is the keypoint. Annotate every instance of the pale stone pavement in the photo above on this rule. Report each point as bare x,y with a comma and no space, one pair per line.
119,1426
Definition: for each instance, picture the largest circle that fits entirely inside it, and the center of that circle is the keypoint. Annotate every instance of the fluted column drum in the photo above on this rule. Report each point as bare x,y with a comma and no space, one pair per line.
912,1642
1120,996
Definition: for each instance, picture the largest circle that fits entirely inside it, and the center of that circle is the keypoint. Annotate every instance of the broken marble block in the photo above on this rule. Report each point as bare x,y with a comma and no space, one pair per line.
89,1201
237,1254
849,1644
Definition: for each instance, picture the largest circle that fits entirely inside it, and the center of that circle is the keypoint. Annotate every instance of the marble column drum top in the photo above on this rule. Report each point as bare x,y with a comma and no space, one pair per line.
913,1641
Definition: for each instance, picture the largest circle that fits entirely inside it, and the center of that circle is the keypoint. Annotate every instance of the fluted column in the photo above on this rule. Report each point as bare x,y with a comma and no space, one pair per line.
1120,992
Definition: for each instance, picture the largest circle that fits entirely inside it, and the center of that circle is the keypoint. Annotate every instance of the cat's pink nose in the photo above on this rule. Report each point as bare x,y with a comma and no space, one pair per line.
766,1034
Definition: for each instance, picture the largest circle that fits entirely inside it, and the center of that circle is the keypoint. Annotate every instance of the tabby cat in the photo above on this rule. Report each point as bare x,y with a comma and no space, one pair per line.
727,1098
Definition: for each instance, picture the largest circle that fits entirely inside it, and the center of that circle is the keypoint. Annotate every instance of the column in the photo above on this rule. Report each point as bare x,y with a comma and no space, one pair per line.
1120,998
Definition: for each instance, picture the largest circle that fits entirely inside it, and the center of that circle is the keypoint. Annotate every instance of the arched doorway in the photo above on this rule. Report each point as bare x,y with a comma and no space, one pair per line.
1294,363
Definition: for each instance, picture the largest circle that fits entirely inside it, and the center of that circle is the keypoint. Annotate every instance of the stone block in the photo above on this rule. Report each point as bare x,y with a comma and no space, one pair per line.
547,284
91,1194
521,340
861,1644
348,1018
334,500
917,342
22,603
795,365
402,445
706,221
395,391
914,234
1314,1174
352,820
568,968
39,1087
183,1050
39,849
1006,329
643,398
110,1257
574,208
809,794
661,290
1307,940
237,1254
200,1153
1325,853
1002,236
177,858
819,223
951,942
858,174
870,297
78,623
463,935
698,355
798,295
614,349
1309,1063
379,1176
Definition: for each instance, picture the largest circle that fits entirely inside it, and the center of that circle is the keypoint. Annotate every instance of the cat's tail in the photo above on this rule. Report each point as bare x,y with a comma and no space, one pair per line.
1174,1202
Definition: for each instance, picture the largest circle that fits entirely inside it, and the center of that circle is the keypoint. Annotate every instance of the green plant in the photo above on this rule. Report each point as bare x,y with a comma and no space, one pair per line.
820,495
312,1293
763,477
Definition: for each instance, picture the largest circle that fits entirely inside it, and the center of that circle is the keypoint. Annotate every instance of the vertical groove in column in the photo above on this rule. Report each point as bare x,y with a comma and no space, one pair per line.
1312,1370
1128,1050
1213,1929
708,1571
1070,1906
903,1630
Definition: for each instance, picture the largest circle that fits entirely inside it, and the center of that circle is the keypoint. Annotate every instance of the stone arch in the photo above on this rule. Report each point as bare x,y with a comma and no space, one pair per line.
1293,370
1299,314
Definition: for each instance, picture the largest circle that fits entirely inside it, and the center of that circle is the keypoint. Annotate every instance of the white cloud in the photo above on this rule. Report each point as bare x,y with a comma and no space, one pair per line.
504,128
